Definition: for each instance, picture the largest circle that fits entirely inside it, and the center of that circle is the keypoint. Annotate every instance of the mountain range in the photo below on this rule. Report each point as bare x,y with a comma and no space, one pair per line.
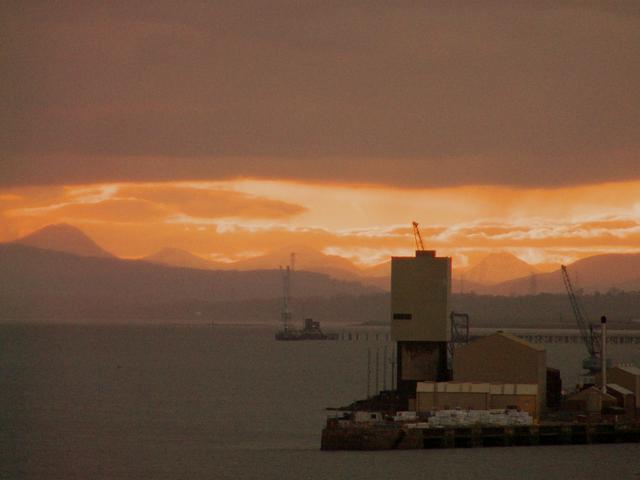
59,273
497,274
175,257
497,268
37,283
599,273
64,238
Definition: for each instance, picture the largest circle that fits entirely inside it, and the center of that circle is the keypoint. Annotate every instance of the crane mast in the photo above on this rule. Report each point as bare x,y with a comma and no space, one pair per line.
285,314
417,237
589,335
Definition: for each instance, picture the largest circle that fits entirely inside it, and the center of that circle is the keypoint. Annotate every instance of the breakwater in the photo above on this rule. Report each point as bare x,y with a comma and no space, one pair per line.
392,437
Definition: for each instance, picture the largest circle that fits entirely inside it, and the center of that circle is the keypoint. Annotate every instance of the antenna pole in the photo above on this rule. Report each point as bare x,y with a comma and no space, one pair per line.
393,367
384,368
368,371
377,368
603,352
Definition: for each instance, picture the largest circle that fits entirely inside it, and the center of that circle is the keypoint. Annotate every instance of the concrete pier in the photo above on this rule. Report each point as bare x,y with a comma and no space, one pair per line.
395,437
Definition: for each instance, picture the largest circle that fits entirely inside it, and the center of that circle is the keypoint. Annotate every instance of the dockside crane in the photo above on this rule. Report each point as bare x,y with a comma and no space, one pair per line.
590,336
417,237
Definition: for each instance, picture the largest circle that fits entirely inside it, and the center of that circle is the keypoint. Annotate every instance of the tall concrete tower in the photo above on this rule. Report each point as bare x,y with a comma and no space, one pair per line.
420,317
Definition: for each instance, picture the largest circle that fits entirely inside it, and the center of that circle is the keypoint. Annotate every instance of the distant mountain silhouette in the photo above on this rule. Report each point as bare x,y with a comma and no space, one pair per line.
505,274
493,269
547,267
64,238
496,274
497,268
38,283
598,273
45,285
176,257
306,259
380,270
383,283
460,284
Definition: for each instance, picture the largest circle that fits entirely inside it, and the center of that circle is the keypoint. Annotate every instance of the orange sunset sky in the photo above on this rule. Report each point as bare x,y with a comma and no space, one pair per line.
234,219
229,129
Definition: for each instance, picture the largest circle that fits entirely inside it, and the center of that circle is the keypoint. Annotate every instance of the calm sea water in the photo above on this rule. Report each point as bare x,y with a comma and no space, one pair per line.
173,402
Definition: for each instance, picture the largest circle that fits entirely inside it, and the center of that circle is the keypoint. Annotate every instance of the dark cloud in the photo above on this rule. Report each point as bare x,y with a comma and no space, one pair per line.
411,94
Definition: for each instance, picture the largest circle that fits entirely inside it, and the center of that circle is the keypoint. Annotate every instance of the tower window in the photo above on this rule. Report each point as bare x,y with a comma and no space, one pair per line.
402,316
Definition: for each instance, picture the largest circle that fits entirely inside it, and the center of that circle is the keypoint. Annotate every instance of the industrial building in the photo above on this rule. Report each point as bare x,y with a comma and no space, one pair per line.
492,391
477,396
434,368
495,390
420,317
503,358
589,400
421,326
624,397
626,376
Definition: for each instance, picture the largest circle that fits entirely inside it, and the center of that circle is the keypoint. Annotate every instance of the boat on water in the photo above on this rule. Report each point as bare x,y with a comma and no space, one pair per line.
310,331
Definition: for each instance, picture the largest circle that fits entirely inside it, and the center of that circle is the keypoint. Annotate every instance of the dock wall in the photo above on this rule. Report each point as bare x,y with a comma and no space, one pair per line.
399,438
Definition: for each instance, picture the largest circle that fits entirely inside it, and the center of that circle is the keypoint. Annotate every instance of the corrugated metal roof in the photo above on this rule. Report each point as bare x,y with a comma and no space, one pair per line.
521,341
619,389
633,370
581,395
471,387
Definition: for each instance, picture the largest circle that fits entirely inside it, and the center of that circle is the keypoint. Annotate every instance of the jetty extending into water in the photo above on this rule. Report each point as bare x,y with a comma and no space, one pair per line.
404,437
539,336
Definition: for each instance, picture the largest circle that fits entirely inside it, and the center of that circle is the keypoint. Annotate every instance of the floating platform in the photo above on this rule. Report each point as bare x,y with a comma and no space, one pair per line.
294,335
396,437
311,331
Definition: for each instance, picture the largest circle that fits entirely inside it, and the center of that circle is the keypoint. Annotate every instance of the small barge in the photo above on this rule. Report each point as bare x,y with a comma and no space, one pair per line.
310,331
